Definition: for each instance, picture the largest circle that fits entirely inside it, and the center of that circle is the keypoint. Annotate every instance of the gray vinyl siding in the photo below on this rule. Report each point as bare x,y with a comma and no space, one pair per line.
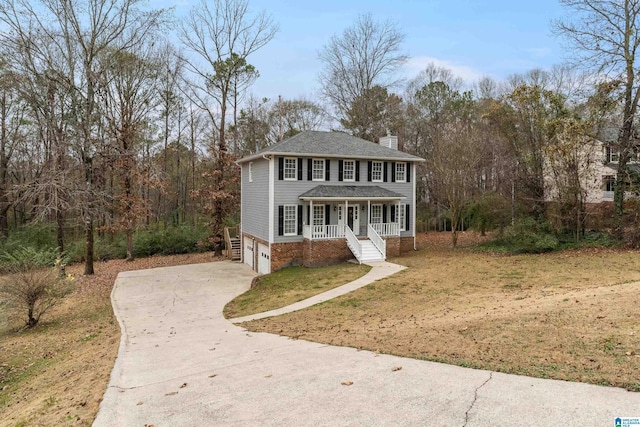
255,199
288,192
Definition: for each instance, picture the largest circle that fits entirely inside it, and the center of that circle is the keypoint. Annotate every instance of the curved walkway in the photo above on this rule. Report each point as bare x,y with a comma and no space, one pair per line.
181,363
379,270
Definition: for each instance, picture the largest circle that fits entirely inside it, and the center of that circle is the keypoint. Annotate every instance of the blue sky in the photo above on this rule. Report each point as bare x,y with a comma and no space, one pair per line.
474,38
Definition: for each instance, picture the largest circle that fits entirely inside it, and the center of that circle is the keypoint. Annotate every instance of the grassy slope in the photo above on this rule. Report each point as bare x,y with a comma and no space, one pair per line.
291,285
567,315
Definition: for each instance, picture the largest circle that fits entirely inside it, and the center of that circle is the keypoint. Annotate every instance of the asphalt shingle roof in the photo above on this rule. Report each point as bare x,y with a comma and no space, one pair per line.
350,192
332,144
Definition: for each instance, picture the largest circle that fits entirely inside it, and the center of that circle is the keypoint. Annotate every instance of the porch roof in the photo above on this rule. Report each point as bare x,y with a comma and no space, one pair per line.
350,192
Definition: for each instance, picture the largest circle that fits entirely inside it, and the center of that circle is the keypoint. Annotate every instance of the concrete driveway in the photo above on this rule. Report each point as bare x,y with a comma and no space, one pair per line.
182,364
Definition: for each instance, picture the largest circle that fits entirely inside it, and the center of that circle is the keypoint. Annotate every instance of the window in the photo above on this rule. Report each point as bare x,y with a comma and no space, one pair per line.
290,220
401,217
612,156
401,172
609,182
376,214
318,170
290,169
349,170
318,214
250,171
376,171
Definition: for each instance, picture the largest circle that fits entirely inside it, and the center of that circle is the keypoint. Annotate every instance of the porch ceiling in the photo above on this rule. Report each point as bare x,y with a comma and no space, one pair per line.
350,192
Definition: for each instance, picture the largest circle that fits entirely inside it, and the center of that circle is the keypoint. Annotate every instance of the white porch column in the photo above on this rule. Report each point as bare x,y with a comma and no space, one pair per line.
310,219
345,217
368,213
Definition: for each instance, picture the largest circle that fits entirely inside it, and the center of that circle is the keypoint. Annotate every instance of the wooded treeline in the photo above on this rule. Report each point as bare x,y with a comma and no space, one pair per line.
107,126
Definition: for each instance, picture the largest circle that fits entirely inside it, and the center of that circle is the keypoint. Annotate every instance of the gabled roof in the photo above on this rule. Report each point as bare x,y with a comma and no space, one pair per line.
331,144
350,192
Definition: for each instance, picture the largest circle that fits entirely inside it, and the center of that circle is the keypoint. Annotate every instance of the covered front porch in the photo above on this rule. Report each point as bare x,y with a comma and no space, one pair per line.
363,216
334,211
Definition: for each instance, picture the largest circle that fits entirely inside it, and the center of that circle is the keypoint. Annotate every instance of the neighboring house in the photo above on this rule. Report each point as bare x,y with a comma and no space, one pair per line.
324,197
606,161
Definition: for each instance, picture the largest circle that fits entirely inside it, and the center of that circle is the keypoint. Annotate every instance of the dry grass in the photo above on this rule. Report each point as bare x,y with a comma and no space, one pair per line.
291,285
56,374
569,315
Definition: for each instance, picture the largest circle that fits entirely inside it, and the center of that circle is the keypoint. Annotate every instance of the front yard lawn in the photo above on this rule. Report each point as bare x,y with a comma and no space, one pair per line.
291,285
569,315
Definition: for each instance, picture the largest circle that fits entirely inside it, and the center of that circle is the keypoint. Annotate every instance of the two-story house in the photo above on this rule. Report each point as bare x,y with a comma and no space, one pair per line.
324,197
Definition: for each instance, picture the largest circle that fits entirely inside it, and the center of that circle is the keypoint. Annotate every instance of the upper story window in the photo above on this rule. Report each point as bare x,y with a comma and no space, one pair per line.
612,155
349,170
376,171
290,169
250,171
401,172
318,169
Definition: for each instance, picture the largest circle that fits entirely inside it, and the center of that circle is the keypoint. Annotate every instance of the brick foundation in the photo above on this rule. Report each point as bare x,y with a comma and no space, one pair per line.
393,247
406,245
316,253
285,255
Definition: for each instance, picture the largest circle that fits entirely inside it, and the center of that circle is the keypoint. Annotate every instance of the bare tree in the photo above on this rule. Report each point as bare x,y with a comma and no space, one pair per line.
69,37
223,35
366,54
12,133
130,87
603,35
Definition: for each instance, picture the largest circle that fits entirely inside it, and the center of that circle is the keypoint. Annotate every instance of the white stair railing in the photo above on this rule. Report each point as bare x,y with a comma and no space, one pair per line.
353,243
377,241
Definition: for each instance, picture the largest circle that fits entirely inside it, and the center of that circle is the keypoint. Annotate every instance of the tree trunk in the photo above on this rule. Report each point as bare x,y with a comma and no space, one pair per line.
88,253
130,245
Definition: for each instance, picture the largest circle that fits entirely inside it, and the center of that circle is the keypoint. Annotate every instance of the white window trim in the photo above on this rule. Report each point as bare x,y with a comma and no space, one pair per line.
295,169
314,217
400,216
286,220
373,208
250,171
404,172
313,169
373,164
344,170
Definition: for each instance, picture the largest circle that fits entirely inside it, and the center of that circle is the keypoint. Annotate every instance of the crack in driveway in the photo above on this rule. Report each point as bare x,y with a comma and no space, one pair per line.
475,397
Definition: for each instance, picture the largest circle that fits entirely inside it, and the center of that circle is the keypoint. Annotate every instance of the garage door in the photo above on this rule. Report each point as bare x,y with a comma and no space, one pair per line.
264,259
248,252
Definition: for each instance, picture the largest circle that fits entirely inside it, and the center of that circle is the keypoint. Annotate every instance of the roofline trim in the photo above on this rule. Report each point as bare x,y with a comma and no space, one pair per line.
333,156
357,199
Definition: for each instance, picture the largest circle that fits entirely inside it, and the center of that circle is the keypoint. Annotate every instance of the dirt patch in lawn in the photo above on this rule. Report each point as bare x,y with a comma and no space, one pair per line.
569,315
291,285
56,374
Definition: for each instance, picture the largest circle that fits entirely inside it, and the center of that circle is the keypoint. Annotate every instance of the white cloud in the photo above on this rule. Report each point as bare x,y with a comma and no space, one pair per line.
416,64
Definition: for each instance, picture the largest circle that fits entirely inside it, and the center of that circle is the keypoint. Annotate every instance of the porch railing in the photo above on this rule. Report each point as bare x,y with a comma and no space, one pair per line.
321,232
354,244
387,228
375,238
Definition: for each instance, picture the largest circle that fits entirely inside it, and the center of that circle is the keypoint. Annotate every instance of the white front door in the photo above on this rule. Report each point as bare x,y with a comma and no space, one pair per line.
350,215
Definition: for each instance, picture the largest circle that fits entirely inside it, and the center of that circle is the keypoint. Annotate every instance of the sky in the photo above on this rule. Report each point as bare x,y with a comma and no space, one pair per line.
473,38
